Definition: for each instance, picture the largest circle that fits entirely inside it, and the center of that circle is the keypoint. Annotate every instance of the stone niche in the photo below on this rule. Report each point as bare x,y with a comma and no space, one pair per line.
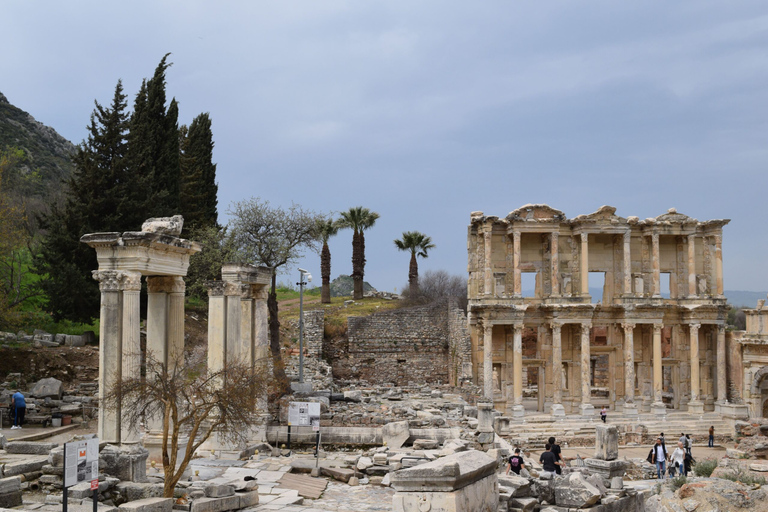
462,482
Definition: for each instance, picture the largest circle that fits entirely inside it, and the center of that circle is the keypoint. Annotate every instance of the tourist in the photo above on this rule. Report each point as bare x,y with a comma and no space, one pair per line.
548,460
711,437
558,456
516,463
663,441
677,461
688,444
682,439
603,413
19,408
659,457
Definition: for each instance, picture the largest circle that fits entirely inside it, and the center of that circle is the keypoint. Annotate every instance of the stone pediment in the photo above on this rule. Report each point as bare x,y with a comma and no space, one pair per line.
604,215
536,213
673,217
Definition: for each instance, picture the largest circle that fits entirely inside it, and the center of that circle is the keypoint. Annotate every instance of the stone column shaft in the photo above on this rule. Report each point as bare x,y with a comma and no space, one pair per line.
131,344
488,361
246,329
217,326
517,363
488,262
627,264
110,350
557,364
586,366
656,264
719,264
260,339
176,322
722,386
629,362
555,264
157,318
691,265
584,258
657,363
516,264
233,293
694,348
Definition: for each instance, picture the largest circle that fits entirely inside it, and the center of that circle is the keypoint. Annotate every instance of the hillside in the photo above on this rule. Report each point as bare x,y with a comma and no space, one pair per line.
46,154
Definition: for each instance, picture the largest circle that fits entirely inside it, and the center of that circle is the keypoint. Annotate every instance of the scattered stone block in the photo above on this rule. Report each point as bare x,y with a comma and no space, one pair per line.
218,491
340,474
248,499
517,486
524,504
395,434
171,226
30,447
606,442
215,504
49,387
575,491
424,444
364,463
149,505
353,396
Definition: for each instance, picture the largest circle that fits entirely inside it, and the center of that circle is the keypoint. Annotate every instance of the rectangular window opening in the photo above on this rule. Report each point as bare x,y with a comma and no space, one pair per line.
528,284
597,286
665,284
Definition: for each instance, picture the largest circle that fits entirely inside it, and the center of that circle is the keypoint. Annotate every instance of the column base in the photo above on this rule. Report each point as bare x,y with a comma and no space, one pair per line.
696,407
518,412
153,442
126,462
732,411
587,410
558,411
659,409
631,410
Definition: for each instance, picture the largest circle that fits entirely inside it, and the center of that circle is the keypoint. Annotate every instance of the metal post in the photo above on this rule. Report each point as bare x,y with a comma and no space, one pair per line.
317,446
289,437
66,494
96,499
301,327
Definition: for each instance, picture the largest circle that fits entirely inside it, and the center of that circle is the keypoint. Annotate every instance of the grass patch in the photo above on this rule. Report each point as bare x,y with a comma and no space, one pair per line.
739,475
28,321
704,467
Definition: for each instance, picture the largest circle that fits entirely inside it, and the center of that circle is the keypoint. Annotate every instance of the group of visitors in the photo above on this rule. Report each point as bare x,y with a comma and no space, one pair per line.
680,460
551,460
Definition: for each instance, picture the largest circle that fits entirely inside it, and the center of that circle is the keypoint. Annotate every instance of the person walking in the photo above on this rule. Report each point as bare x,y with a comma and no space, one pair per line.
659,458
19,409
603,413
663,441
558,456
688,444
548,460
677,461
711,437
516,463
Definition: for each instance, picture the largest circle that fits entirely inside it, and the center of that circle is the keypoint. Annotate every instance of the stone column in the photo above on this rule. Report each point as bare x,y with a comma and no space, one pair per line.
629,369
246,326
261,339
157,317
656,265
584,258
488,361
488,261
110,350
518,410
587,409
555,264
719,264
722,385
131,360
217,326
176,293
695,406
516,263
557,371
692,265
233,293
627,263
658,406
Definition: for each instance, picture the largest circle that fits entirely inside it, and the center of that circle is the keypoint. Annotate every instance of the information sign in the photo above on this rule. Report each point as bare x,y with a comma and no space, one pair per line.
303,414
81,462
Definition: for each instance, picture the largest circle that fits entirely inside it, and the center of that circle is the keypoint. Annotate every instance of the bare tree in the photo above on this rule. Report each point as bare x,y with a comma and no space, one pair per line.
191,401
436,284
274,237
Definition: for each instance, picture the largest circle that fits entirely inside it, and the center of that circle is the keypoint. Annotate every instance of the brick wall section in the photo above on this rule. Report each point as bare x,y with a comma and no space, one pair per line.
314,325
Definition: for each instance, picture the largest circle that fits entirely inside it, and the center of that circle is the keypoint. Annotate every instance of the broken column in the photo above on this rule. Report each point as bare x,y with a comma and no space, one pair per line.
605,462
485,432
462,482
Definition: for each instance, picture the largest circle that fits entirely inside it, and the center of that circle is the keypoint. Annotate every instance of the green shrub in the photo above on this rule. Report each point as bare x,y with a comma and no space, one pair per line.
739,475
679,481
704,467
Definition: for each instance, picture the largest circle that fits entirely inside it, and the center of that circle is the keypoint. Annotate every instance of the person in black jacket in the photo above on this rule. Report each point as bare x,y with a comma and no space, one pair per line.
659,457
558,457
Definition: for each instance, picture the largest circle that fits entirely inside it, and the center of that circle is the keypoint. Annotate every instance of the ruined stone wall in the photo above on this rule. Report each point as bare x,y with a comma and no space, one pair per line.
402,346
314,327
460,344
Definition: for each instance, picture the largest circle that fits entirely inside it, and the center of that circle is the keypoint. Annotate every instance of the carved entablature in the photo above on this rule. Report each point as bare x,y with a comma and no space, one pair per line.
536,213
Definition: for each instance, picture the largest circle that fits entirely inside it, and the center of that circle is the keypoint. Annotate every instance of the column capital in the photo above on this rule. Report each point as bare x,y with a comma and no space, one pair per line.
720,329
487,328
586,325
584,237
518,327
556,327
554,235
233,289
110,280
627,235
260,293
657,328
691,238
516,235
165,284
628,326
718,239
694,327
215,288
132,281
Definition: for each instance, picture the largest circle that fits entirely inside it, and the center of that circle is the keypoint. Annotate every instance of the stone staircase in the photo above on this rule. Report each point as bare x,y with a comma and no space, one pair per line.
578,431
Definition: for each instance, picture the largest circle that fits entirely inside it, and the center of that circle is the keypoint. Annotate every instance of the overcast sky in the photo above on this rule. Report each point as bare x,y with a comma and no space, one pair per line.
425,111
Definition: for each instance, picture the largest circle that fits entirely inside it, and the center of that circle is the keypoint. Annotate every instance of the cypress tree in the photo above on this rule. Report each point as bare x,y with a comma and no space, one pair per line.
191,193
198,176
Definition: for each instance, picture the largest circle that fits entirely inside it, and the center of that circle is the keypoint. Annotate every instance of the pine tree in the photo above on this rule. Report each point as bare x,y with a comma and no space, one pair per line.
198,175
93,189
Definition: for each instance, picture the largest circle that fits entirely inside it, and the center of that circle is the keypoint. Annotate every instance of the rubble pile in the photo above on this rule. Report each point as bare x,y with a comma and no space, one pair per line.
47,401
40,338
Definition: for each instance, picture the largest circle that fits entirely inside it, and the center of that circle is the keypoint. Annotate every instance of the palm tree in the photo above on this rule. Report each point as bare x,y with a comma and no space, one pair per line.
418,244
358,219
327,228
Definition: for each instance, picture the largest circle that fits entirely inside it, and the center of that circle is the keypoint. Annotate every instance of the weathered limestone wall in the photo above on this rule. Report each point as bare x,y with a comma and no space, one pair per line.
314,327
459,344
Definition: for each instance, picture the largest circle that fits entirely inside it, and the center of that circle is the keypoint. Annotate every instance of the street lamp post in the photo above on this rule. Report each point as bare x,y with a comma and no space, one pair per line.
301,284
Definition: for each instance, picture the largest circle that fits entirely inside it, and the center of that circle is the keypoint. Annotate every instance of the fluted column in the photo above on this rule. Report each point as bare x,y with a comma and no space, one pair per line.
488,261
110,350
516,263
557,370
488,361
692,265
719,264
157,317
517,364
656,264
555,264
246,326
217,326
233,293
722,385
627,263
176,321
131,341
629,363
260,340
584,258
658,402
695,405
587,409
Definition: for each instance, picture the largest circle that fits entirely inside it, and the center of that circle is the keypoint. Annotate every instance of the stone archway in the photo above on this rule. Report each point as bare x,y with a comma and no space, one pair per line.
759,388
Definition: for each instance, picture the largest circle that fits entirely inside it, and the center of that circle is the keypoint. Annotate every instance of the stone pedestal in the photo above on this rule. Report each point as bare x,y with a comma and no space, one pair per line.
732,411
557,411
695,407
631,410
606,442
659,409
462,482
126,462
518,413
606,468
587,410
485,417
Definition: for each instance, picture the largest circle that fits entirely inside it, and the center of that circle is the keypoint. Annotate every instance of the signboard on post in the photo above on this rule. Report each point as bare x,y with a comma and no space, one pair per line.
304,414
81,462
